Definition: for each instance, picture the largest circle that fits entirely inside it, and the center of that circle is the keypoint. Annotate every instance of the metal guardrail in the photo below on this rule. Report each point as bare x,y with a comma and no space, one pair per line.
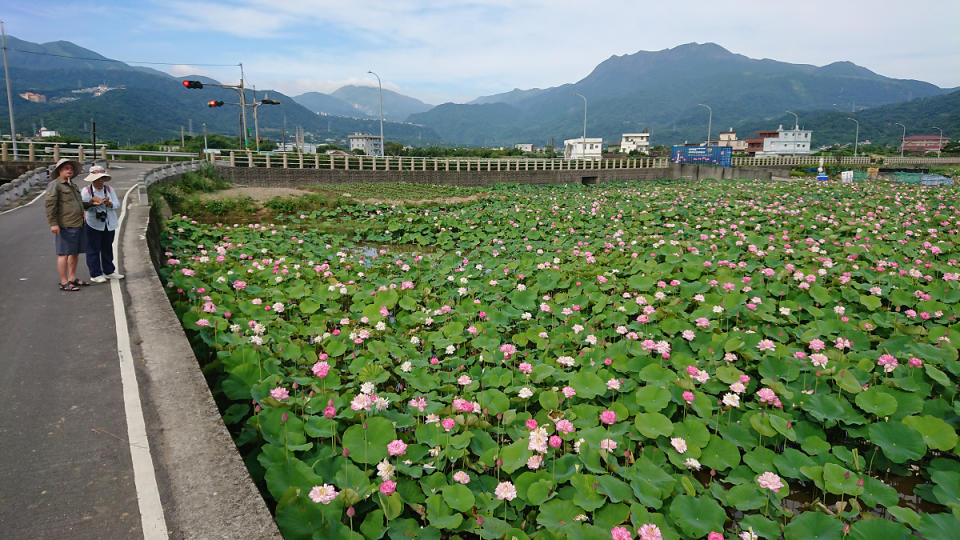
395,163
53,152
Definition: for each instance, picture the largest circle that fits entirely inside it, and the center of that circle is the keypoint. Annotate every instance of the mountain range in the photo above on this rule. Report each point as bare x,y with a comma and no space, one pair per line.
363,101
136,105
659,91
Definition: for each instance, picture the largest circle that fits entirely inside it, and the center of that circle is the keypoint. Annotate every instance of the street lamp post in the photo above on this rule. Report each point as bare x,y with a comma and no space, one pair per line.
903,139
709,121
939,142
583,141
380,89
796,120
256,125
6,73
856,138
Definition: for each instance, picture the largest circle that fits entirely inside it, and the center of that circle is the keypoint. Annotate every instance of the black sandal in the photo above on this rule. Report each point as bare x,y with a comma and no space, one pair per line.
79,283
68,286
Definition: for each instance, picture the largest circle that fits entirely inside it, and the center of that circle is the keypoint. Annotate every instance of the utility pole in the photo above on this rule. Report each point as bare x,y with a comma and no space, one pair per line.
6,73
93,137
709,120
583,147
183,143
243,108
204,127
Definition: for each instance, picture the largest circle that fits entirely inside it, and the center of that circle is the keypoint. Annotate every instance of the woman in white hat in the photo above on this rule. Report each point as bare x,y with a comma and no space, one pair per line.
100,224
65,215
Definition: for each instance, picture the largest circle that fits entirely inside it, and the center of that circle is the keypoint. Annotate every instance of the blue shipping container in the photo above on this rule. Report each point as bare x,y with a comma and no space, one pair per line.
721,156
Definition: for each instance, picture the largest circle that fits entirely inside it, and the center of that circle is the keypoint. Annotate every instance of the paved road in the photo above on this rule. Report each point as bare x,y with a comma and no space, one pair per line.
65,466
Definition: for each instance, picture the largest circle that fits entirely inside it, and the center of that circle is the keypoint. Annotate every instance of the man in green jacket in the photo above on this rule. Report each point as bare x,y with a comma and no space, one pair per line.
65,215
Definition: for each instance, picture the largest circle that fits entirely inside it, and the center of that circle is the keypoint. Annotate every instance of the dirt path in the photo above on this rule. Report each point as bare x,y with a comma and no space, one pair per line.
255,193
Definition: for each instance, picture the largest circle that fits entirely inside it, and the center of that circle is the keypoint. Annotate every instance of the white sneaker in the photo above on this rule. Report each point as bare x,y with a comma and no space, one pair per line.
98,279
115,276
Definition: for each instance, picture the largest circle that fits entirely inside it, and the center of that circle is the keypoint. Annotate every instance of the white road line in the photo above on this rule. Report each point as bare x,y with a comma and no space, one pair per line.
42,193
148,495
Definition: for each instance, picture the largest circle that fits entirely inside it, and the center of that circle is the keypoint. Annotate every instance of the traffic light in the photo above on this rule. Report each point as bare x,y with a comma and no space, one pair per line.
213,103
192,84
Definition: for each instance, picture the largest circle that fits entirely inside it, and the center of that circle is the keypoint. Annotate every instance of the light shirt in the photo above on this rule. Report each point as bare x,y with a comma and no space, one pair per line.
89,192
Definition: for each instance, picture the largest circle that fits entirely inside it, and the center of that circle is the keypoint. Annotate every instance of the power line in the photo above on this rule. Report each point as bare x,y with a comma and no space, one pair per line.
122,61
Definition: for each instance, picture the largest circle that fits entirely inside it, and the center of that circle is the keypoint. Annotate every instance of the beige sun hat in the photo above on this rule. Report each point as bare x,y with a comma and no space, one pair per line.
97,172
55,172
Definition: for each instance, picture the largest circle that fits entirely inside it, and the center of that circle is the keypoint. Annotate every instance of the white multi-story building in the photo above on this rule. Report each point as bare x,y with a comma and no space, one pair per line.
580,148
524,147
788,142
730,139
370,144
630,142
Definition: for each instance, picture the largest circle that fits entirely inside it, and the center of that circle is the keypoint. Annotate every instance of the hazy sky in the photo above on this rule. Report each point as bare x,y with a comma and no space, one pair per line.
449,50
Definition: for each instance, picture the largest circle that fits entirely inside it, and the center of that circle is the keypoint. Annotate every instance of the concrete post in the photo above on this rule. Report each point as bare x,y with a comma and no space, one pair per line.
31,153
284,160
249,158
316,161
233,159
498,164
458,165
80,153
268,160
332,159
436,164
360,159
301,160
5,156
103,153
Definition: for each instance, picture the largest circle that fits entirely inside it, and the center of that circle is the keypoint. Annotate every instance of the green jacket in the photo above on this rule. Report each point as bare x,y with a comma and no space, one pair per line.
64,205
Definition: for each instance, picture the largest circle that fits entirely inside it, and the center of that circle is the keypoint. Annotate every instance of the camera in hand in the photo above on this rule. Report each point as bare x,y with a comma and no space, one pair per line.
101,214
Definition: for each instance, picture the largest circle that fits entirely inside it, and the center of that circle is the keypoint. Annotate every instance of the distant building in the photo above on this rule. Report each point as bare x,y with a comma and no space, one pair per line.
44,132
524,147
923,144
755,144
305,148
730,139
370,144
581,148
34,97
788,142
630,142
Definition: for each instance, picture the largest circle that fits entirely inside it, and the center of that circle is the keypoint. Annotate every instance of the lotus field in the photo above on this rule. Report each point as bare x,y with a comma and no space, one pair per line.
646,360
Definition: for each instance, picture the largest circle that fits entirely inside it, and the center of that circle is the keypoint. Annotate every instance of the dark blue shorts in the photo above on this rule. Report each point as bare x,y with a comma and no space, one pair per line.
68,241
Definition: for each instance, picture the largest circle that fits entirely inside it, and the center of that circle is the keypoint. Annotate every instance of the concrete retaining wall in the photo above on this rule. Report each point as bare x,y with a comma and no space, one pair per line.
263,177
206,489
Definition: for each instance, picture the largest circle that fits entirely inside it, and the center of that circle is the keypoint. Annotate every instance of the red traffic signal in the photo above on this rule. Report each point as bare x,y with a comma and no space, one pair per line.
192,84
213,103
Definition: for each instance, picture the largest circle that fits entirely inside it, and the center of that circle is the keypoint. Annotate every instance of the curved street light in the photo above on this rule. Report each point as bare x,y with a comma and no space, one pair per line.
939,142
796,120
380,88
903,139
583,141
856,138
709,121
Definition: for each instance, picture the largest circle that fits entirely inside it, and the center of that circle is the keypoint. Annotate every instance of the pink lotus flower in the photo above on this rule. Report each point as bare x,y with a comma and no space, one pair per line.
461,477
324,494
608,417
770,481
525,368
321,369
420,403
505,491
555,441
329,411
280,393
620,533
766,345
448,423
714,535
397,448
565,426
688,396
679,444
649,531
387,487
